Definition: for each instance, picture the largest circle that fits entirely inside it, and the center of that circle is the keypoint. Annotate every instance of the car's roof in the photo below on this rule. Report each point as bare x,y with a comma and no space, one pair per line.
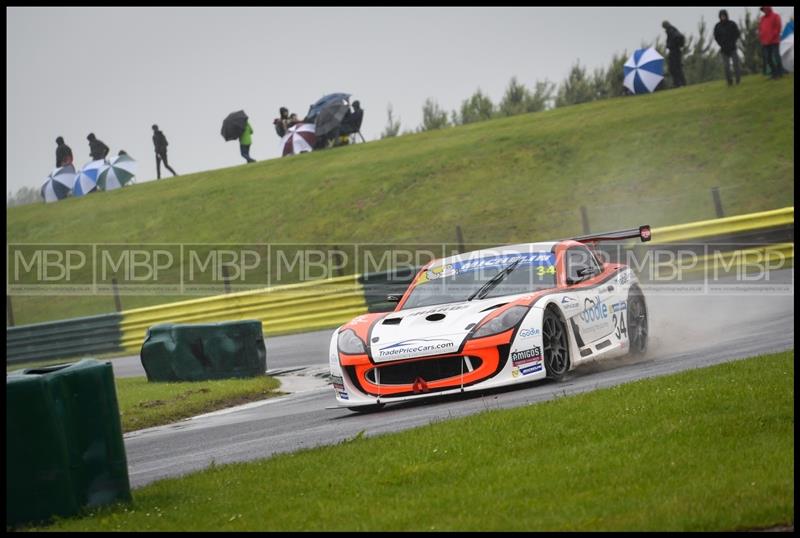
501,250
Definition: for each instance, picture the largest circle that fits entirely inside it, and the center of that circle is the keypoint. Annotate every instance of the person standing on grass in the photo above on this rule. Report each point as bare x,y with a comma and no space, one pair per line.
160,143
63,153
769,34
726,34
245,141
675,43
97,149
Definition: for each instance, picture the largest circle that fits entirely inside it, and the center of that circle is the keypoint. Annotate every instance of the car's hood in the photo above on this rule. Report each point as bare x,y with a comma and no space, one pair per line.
428,330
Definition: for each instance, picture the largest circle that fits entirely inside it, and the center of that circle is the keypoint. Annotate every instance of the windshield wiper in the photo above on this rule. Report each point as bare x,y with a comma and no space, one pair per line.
484,290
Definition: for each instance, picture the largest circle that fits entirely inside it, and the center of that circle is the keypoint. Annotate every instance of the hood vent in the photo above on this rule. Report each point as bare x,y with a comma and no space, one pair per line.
498,305
435,317
392,321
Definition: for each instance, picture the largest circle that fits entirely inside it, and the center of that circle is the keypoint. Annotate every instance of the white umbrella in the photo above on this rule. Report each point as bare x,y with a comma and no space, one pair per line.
117,173
86,180
787,52
58,184
299,138
643,71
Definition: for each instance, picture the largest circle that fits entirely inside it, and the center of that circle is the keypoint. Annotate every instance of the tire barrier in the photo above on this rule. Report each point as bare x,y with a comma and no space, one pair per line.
64,448
198,352
323,304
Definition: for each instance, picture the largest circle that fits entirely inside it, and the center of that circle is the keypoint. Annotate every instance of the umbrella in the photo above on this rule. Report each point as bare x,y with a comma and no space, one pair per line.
643,71
324,101
117,173
233,125
299,138
787,47
86,180
58,184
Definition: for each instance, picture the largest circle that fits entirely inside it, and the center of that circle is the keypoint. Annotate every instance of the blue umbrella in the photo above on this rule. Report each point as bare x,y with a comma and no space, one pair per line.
324,101
643,71
86,180
786,47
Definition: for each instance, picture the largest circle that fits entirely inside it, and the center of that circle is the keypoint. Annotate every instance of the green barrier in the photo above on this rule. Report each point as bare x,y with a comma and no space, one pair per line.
64,447
197,352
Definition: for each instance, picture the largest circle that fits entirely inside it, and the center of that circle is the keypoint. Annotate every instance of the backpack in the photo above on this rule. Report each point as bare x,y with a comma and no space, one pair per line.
279,128
681,39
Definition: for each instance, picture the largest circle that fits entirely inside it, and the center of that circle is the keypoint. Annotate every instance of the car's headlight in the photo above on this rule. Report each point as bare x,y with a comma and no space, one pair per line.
503,322
350,343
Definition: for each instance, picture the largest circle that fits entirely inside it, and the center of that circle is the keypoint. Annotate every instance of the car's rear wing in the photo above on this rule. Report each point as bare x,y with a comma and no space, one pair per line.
642,232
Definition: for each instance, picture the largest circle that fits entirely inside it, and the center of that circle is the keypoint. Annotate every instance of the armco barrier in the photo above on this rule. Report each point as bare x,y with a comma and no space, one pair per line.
67,338
282,309
319,304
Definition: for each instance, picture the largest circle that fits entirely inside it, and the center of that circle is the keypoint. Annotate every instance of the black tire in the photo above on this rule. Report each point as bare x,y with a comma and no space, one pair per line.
556,345
363,409
638,327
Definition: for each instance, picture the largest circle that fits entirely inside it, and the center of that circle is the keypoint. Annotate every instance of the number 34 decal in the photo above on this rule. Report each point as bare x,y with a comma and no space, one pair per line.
619,325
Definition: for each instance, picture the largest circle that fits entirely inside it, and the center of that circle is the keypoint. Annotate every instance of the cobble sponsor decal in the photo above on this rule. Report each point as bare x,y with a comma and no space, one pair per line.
527,333
568,302
527,356
594,310
409,347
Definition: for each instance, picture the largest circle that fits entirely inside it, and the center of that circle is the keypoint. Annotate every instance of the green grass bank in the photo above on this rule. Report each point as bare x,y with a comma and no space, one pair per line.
630,160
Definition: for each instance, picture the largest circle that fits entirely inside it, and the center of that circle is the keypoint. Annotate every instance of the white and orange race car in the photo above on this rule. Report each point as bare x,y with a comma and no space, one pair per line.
492,317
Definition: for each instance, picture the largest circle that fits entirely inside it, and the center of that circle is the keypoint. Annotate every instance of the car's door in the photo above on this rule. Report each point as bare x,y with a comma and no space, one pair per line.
593,320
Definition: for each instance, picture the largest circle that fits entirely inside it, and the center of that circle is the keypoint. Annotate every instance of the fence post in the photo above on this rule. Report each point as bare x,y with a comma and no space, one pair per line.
115,289
9,312
460,239
585,220
717,202
225,280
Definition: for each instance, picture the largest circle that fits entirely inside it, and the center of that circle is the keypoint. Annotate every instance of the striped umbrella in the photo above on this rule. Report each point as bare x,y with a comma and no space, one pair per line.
117,173
58,184
86,180
299,138
643,71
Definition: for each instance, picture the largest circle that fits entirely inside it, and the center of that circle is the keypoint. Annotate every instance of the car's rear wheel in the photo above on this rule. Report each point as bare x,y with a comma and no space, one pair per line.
637,322
366,408
556,348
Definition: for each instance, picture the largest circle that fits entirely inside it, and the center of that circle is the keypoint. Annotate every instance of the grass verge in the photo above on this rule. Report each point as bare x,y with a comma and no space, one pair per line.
143,404
708,449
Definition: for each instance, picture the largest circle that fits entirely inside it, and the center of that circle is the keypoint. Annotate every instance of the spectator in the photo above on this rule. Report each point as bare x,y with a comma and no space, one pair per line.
675,43
97,149
245,141
726,34
351,124
160,143
293,120
282,123
769,34
63,153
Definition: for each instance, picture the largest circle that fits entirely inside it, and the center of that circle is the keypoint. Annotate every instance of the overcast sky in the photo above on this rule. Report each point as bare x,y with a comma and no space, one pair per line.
116,71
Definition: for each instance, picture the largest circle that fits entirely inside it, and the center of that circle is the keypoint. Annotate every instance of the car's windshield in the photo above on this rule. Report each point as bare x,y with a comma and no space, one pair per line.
456,282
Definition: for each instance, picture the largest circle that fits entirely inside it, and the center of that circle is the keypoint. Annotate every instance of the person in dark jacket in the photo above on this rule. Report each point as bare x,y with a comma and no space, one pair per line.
769,34
97,149
675,44
726,34
63,153
160,143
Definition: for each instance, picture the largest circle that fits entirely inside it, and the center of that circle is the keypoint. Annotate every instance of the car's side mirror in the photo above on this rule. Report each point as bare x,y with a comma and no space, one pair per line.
393,298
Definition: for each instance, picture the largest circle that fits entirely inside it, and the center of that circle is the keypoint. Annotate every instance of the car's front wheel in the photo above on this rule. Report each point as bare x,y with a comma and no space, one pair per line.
637,322
556,348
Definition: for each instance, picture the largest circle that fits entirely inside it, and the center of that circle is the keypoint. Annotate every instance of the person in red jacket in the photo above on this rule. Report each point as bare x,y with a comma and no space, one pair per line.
769,34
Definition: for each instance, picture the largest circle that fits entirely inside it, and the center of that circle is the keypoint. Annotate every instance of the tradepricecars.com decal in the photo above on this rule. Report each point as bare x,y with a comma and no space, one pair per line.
416,347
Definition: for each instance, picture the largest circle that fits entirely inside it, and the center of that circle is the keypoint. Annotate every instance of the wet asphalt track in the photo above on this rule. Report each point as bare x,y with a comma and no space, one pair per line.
687,331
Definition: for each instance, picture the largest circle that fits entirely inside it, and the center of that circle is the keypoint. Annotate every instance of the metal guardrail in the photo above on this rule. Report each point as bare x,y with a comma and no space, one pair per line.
66,338
282,309
305,306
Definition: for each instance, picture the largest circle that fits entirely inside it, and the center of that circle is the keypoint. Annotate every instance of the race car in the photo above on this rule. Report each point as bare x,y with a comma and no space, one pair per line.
490,318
